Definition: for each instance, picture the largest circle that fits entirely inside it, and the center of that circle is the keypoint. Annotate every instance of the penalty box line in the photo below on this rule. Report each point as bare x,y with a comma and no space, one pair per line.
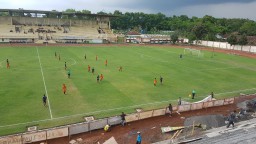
42,72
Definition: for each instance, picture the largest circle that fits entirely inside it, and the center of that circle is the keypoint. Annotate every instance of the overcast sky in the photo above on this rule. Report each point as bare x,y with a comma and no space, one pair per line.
199,8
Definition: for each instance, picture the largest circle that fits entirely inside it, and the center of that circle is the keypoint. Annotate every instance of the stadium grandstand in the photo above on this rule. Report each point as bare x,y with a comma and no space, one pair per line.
36,26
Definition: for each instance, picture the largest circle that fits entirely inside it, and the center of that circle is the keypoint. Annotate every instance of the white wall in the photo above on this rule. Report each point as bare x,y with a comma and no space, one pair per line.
225,45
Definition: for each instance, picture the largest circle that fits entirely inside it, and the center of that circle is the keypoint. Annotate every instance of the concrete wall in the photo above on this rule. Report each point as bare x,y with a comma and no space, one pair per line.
225,45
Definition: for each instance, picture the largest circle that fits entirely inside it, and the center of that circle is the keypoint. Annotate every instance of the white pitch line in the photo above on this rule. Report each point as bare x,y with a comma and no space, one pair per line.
225,93
44,83
120,108
89,113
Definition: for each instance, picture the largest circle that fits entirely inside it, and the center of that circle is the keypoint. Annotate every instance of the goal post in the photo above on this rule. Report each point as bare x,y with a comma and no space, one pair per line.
193,52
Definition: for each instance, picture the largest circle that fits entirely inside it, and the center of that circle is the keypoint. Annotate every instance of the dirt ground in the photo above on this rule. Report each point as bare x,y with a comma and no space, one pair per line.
150,128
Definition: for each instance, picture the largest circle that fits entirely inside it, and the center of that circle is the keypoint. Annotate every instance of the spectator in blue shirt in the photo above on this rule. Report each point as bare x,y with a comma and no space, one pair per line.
138,138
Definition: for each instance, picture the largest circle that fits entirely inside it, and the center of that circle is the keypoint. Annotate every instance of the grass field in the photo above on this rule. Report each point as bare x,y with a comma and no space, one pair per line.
35,71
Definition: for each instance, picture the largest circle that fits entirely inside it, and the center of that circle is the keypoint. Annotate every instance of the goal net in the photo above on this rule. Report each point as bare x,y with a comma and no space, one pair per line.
193,52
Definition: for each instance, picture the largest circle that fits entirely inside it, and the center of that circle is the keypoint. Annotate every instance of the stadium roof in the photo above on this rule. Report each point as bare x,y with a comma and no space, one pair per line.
22,11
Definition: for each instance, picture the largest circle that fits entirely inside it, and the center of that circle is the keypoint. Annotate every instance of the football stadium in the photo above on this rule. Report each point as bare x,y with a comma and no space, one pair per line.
89,77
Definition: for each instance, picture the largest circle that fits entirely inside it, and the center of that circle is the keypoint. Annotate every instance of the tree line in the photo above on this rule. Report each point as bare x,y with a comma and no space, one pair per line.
194,28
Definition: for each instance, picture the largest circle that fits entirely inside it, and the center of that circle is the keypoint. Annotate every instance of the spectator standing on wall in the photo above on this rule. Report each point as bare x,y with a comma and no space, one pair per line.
170,109
123,119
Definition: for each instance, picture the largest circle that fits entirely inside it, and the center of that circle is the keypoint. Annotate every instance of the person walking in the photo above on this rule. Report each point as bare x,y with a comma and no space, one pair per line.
231,119
120,68
69,73
93,70
106,63
98,78
123,119
65,65
44,100
161,80
193,94
7,64
155,82
101,77
138,138
89,68
64,88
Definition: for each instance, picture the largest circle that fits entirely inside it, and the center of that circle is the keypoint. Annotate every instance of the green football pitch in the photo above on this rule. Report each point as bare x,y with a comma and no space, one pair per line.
35,71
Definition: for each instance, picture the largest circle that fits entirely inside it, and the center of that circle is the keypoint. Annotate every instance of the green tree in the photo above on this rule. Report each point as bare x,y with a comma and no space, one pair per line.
242,41
191,38
199,30
248,28
232,40
86,11
174,38
4,14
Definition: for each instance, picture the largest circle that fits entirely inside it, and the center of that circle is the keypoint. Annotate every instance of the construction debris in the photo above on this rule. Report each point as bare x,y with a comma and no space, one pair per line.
210,121
170,129
110,141
254,115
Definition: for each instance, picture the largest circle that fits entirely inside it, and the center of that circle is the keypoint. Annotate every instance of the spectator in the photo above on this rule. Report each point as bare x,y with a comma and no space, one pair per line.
179,101
231,119
107,128
123,122
170,109
138,138
193,94
212,94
